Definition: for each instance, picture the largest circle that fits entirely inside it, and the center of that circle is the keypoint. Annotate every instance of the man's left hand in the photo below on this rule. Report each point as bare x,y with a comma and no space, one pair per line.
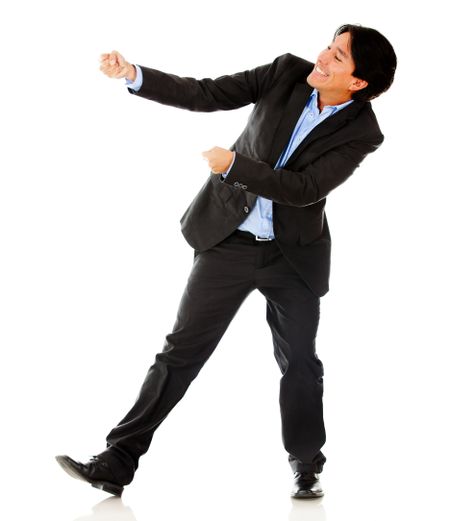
219,159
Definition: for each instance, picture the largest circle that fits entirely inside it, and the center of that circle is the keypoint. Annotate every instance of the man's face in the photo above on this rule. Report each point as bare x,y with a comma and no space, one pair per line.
332,75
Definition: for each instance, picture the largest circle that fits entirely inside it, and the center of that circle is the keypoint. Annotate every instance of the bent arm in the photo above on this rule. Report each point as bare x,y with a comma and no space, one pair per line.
306,186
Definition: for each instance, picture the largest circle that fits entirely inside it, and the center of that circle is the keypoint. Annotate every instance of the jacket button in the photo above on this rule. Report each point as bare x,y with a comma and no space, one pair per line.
236,183
246,209
244,187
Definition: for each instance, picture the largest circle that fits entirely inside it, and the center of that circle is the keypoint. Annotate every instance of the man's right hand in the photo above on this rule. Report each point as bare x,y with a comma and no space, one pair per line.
114,65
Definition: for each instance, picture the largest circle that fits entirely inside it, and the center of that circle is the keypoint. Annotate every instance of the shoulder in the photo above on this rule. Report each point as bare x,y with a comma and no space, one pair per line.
293,65
368,122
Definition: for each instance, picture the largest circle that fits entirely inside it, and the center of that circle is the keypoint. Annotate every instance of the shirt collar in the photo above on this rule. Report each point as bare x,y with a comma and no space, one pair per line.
313,105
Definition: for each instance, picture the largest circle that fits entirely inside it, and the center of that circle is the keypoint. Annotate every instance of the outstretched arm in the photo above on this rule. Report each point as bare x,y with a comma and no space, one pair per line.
206,95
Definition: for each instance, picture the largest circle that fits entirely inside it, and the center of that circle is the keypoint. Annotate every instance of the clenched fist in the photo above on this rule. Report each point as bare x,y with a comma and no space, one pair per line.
219,159
114,65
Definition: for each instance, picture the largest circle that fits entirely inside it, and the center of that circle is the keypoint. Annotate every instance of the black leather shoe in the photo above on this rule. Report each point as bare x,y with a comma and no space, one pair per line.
96,472
306,486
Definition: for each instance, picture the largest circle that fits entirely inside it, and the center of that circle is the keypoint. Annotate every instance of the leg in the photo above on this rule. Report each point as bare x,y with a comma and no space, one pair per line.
217,286
293,316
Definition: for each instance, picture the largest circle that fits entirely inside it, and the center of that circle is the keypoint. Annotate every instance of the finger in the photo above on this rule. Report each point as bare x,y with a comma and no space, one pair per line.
117,57
105,63
107,69
113,57
111,73
108,66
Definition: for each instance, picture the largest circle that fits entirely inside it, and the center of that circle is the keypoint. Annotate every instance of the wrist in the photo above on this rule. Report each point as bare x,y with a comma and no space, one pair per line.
232,156
131,73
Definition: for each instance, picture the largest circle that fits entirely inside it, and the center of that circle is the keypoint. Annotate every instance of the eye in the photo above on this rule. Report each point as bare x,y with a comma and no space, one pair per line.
336,57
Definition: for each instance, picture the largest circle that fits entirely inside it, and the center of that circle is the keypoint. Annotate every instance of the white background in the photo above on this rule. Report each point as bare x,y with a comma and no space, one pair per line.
92,266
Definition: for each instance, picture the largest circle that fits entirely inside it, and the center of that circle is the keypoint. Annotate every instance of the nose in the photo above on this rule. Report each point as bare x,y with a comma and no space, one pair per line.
324,56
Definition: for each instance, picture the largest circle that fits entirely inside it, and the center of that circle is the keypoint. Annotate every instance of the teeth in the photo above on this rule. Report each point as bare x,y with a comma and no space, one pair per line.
320,71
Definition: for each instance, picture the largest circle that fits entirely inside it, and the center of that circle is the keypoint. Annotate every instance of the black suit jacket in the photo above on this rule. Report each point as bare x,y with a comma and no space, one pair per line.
324,160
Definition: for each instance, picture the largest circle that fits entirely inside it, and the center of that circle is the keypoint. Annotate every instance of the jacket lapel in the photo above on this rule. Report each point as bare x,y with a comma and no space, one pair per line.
329,126
292,111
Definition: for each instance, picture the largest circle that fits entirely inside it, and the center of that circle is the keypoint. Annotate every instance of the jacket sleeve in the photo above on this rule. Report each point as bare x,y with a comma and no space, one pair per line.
305,186
207,95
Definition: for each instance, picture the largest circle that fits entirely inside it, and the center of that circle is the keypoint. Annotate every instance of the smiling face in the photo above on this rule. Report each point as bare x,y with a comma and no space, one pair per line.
333,76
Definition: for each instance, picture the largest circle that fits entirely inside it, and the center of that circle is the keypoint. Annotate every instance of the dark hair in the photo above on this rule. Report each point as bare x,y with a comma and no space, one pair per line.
374,57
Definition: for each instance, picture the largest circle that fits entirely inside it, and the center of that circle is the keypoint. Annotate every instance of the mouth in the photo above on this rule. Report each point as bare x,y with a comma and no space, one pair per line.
320,71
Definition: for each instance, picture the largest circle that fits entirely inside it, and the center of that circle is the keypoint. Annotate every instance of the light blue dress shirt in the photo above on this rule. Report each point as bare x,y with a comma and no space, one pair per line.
259,221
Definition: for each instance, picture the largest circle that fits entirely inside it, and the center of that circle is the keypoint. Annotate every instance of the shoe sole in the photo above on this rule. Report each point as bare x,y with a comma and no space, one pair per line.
111,488
309,496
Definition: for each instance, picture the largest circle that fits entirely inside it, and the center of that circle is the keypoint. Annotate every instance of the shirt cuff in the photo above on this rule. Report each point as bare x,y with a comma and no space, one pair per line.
137,83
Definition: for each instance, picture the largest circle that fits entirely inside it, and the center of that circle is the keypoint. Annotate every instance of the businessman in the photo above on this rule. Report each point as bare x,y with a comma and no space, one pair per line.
258,222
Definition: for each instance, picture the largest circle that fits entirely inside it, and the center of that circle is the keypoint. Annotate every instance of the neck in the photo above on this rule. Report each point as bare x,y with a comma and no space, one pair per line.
325,99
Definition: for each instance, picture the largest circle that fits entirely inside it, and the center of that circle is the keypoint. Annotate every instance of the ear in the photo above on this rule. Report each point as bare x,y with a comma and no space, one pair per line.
358,84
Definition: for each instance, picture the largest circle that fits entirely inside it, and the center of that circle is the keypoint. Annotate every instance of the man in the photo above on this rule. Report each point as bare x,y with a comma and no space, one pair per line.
259,223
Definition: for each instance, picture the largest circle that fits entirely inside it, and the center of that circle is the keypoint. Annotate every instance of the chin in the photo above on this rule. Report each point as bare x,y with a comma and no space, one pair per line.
314,84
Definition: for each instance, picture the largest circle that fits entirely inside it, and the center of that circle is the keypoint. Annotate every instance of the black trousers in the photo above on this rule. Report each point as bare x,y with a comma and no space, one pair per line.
220,280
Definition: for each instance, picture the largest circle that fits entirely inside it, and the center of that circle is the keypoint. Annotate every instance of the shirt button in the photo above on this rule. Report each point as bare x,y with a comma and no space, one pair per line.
246,209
